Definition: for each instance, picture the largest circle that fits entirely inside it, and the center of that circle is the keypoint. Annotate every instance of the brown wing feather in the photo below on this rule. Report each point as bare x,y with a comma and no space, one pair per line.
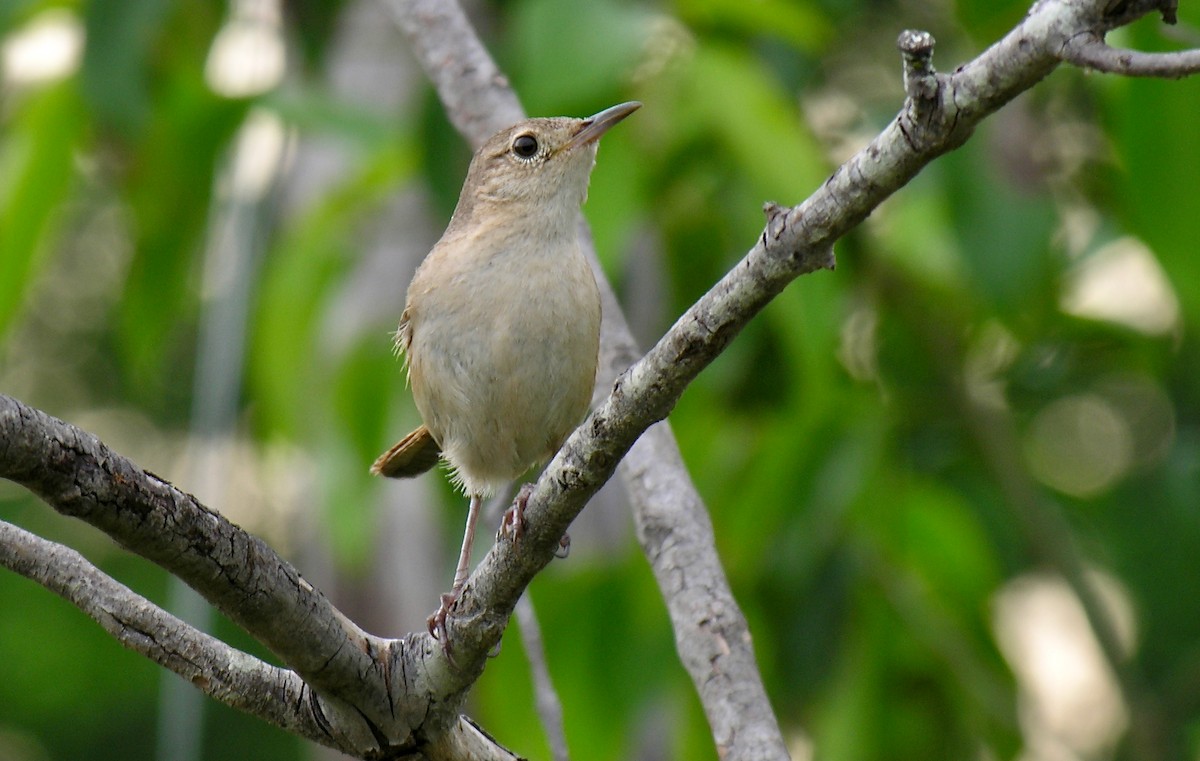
411,456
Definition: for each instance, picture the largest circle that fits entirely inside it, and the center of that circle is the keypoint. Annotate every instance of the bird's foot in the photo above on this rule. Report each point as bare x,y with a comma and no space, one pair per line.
512,525
437,621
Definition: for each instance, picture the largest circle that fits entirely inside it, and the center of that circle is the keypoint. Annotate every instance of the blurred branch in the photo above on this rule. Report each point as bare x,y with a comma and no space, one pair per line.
549,707
239,680
478,98
676,535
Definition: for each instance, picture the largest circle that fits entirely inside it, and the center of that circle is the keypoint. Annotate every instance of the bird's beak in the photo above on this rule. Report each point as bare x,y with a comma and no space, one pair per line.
595,126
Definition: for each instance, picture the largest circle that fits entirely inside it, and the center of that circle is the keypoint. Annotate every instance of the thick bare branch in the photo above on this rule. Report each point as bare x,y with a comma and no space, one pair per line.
239,680
365,696
78,475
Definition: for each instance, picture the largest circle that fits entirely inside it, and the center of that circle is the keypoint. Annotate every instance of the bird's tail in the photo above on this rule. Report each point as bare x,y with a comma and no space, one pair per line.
411,456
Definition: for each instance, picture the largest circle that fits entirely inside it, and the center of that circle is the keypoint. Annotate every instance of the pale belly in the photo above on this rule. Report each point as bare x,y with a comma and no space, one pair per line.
502,374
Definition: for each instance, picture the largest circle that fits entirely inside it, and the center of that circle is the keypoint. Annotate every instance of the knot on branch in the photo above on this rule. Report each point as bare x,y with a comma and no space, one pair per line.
777,220
920,79
802,259
924,120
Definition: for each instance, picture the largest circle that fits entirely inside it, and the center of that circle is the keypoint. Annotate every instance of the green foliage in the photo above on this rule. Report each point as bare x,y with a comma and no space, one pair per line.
864,447
35,178
1156,169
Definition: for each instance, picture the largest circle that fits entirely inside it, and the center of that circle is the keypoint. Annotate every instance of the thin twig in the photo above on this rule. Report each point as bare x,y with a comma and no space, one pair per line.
1089,51
549,707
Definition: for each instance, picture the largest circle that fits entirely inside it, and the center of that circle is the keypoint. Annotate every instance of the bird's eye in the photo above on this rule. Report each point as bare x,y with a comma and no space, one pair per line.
525,146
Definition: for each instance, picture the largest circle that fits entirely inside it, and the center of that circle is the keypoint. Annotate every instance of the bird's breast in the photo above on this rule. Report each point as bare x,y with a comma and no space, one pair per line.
503,354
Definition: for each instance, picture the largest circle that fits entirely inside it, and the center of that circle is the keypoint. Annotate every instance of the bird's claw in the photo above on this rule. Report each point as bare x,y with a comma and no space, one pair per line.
437,621
512,525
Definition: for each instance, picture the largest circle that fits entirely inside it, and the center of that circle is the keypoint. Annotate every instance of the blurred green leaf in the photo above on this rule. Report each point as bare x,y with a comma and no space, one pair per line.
121,40
916,232
36,175
615,205
988,19
798,23
570,57
730,94
13,12
169,191
299,272
321,111
365,375
933,532
1162,207
1004,233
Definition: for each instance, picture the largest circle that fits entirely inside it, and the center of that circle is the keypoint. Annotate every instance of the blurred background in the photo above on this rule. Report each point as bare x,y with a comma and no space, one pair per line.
955,483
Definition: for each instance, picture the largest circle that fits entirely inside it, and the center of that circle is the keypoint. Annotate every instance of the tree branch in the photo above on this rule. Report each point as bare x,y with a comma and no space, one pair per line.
1087,48
477,96
237,679
549,707
1089,51
366,696
364,693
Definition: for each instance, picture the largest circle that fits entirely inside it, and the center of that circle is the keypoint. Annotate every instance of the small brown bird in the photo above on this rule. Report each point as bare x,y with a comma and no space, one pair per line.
501,329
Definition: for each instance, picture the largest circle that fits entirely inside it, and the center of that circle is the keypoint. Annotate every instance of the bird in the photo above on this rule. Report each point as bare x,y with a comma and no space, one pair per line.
500,330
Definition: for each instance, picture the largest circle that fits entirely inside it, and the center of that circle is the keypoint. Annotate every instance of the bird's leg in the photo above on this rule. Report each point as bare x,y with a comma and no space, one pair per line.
437,622
512,525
